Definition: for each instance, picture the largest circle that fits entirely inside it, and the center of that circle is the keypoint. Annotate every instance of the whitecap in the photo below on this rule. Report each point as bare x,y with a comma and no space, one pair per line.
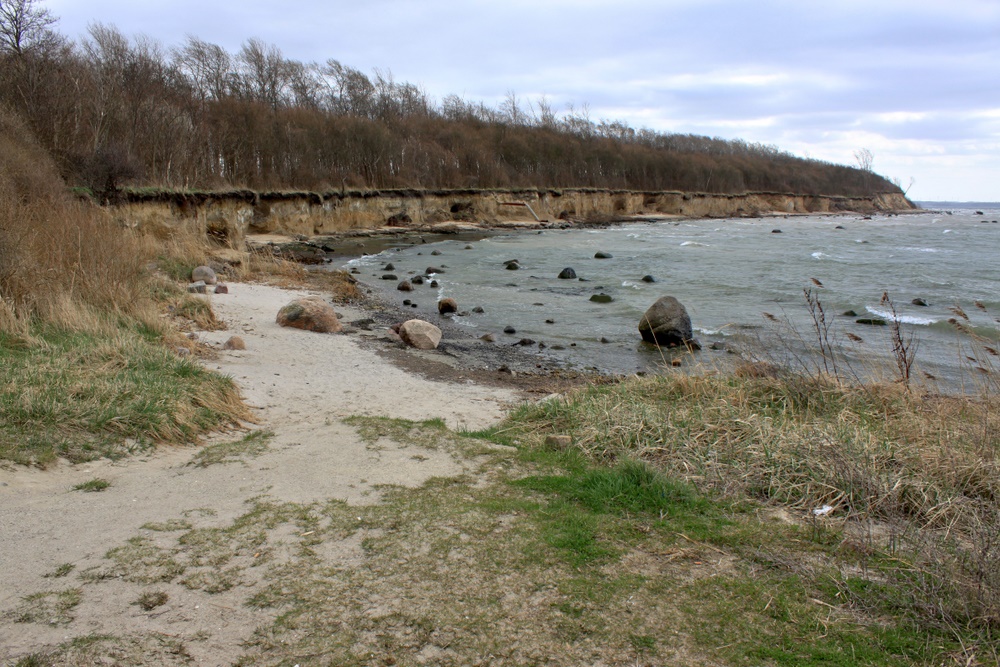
694,244
820,255
905,319
712,332
629,283
947,231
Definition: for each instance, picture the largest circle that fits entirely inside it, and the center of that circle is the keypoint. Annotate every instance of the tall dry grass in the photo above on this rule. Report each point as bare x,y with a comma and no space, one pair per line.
62,261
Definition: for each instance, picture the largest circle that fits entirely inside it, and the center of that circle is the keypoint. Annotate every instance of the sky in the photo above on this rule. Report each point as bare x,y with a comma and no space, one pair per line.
915,82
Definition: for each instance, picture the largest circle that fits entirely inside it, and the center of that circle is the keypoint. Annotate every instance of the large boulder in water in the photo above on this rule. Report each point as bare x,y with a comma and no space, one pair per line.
666,323
419,334
311,313
447,305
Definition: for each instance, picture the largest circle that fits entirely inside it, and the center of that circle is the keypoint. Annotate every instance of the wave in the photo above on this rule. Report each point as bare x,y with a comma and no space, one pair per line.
694,244
820,255
629,283
904,319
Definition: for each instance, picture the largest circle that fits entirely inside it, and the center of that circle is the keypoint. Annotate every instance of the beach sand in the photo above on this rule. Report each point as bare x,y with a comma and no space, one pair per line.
300,385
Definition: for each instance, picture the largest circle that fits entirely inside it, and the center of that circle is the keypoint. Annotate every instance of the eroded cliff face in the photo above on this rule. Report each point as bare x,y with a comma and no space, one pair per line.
229,217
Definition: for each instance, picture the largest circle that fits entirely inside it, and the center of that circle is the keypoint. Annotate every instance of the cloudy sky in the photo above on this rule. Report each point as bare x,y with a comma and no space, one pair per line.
917,82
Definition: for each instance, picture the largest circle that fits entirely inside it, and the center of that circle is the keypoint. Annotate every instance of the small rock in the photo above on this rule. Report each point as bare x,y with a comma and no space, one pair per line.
567,274
406,302
550,321
447,305
404,286
675,362
468,247
435,252
478,309
418,280
234,343
389,267
198,287
183,351
524,342
355,269
221,289
204,274
390,276
559,441
433,269
648,279
849,313
413,305
602,255
433,283
601,298
871,321
839,227
509,330
775,231
489,338
512,266
605,340
919,302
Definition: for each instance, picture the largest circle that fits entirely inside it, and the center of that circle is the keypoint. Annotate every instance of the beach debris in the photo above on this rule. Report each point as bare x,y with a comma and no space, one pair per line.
205,274
567,274
404,286
447,305
234,343
310,313
822,511
666,323
602,255
419,334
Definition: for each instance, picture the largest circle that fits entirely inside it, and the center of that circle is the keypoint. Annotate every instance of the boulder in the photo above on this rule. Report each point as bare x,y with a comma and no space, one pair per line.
205,274
310,313
419,334
418,280
433,269
602,255
447,305
512,265
390,276
601,298
405,286
509,330
648,279
666,323
567,274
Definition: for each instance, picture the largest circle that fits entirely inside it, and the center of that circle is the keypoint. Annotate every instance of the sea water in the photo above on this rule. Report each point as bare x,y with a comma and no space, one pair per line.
742,281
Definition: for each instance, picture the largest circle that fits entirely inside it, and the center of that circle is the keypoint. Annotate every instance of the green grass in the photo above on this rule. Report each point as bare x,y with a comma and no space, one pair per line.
93,486
85,396
249,446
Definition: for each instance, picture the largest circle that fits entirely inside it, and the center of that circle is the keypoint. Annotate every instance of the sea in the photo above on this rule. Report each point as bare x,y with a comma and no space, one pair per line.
746,284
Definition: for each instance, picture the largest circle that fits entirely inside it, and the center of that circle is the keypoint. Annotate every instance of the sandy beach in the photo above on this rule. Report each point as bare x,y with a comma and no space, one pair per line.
300,386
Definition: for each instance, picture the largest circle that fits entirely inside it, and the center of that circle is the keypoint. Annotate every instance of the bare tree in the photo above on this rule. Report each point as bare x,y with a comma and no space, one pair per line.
23,25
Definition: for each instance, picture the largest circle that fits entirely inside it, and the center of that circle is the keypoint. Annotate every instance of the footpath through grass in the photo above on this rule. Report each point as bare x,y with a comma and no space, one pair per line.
617,549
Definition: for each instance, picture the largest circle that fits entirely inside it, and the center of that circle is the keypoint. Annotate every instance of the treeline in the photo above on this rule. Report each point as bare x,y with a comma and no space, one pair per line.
115,110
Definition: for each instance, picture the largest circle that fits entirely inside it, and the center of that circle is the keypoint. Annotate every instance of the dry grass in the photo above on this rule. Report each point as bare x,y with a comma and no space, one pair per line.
913,480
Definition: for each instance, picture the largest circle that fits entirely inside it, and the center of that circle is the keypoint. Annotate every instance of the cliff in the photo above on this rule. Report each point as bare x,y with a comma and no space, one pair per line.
229,216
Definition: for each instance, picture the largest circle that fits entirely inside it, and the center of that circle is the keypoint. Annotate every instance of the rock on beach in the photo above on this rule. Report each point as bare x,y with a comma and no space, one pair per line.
419,334
310,313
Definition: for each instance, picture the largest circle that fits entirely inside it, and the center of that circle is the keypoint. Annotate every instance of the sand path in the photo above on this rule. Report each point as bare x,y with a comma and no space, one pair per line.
300,385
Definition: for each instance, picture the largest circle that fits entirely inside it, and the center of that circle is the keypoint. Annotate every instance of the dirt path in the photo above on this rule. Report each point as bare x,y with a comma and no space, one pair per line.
301,385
